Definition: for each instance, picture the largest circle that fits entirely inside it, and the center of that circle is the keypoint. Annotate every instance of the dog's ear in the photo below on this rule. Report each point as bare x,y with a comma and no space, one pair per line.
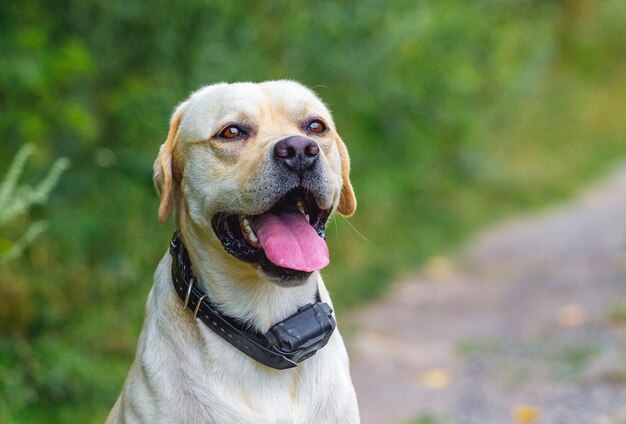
163,166
347,201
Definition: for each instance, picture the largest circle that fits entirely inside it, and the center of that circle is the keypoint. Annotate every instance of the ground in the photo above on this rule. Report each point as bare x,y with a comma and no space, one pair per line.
527,323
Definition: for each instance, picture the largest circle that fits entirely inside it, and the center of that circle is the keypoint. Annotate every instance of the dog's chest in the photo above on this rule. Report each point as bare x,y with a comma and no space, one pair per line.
184,372
239,392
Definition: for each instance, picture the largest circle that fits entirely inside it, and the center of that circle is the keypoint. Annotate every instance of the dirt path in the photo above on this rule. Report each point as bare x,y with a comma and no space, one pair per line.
528,314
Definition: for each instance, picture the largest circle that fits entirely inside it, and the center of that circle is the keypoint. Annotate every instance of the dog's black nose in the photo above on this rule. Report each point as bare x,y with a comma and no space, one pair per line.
297,153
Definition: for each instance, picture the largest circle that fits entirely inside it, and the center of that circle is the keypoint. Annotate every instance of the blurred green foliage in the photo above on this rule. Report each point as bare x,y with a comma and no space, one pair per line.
16,199
455,113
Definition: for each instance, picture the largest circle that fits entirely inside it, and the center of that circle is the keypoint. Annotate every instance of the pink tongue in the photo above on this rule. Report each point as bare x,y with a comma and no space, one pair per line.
289,241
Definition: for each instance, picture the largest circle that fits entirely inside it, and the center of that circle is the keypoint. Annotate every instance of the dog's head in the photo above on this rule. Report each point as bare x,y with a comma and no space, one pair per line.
263,167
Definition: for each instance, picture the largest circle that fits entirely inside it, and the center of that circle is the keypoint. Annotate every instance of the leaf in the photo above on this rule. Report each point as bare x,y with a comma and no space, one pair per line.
525,414
571,316
437,378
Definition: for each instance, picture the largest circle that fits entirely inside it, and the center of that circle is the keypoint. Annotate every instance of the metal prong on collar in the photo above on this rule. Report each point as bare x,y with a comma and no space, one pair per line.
289,360
195,311
188,294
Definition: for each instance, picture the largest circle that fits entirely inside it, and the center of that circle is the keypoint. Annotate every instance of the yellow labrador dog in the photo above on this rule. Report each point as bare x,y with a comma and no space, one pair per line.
239,326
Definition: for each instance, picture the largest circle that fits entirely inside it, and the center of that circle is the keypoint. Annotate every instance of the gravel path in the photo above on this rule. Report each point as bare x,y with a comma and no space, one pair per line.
526,324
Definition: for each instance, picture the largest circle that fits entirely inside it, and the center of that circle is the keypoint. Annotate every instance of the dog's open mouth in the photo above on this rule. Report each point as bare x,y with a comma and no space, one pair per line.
287,240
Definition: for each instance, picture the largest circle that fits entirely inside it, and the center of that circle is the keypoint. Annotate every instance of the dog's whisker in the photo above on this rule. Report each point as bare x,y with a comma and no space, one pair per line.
318,85
250,175
180,231
355,230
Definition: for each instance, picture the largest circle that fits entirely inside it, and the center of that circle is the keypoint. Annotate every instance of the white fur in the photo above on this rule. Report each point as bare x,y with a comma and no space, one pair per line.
183,372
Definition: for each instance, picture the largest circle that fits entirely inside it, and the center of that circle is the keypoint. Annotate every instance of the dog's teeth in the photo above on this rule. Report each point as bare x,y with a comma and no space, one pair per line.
300,205
308,218
248,232
246,226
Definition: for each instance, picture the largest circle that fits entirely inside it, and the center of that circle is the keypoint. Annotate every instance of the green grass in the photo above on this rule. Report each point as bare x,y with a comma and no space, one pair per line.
571,361
426,419
617,313
469,347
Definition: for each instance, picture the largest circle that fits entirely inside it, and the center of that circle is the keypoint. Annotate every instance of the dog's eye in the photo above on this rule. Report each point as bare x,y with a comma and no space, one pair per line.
230,132
316,126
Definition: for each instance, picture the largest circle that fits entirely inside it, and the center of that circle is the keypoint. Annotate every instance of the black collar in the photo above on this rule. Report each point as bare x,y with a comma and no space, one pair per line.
285,345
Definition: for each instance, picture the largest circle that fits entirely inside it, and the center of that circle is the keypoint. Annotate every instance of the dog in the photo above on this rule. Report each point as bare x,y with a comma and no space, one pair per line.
239,325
